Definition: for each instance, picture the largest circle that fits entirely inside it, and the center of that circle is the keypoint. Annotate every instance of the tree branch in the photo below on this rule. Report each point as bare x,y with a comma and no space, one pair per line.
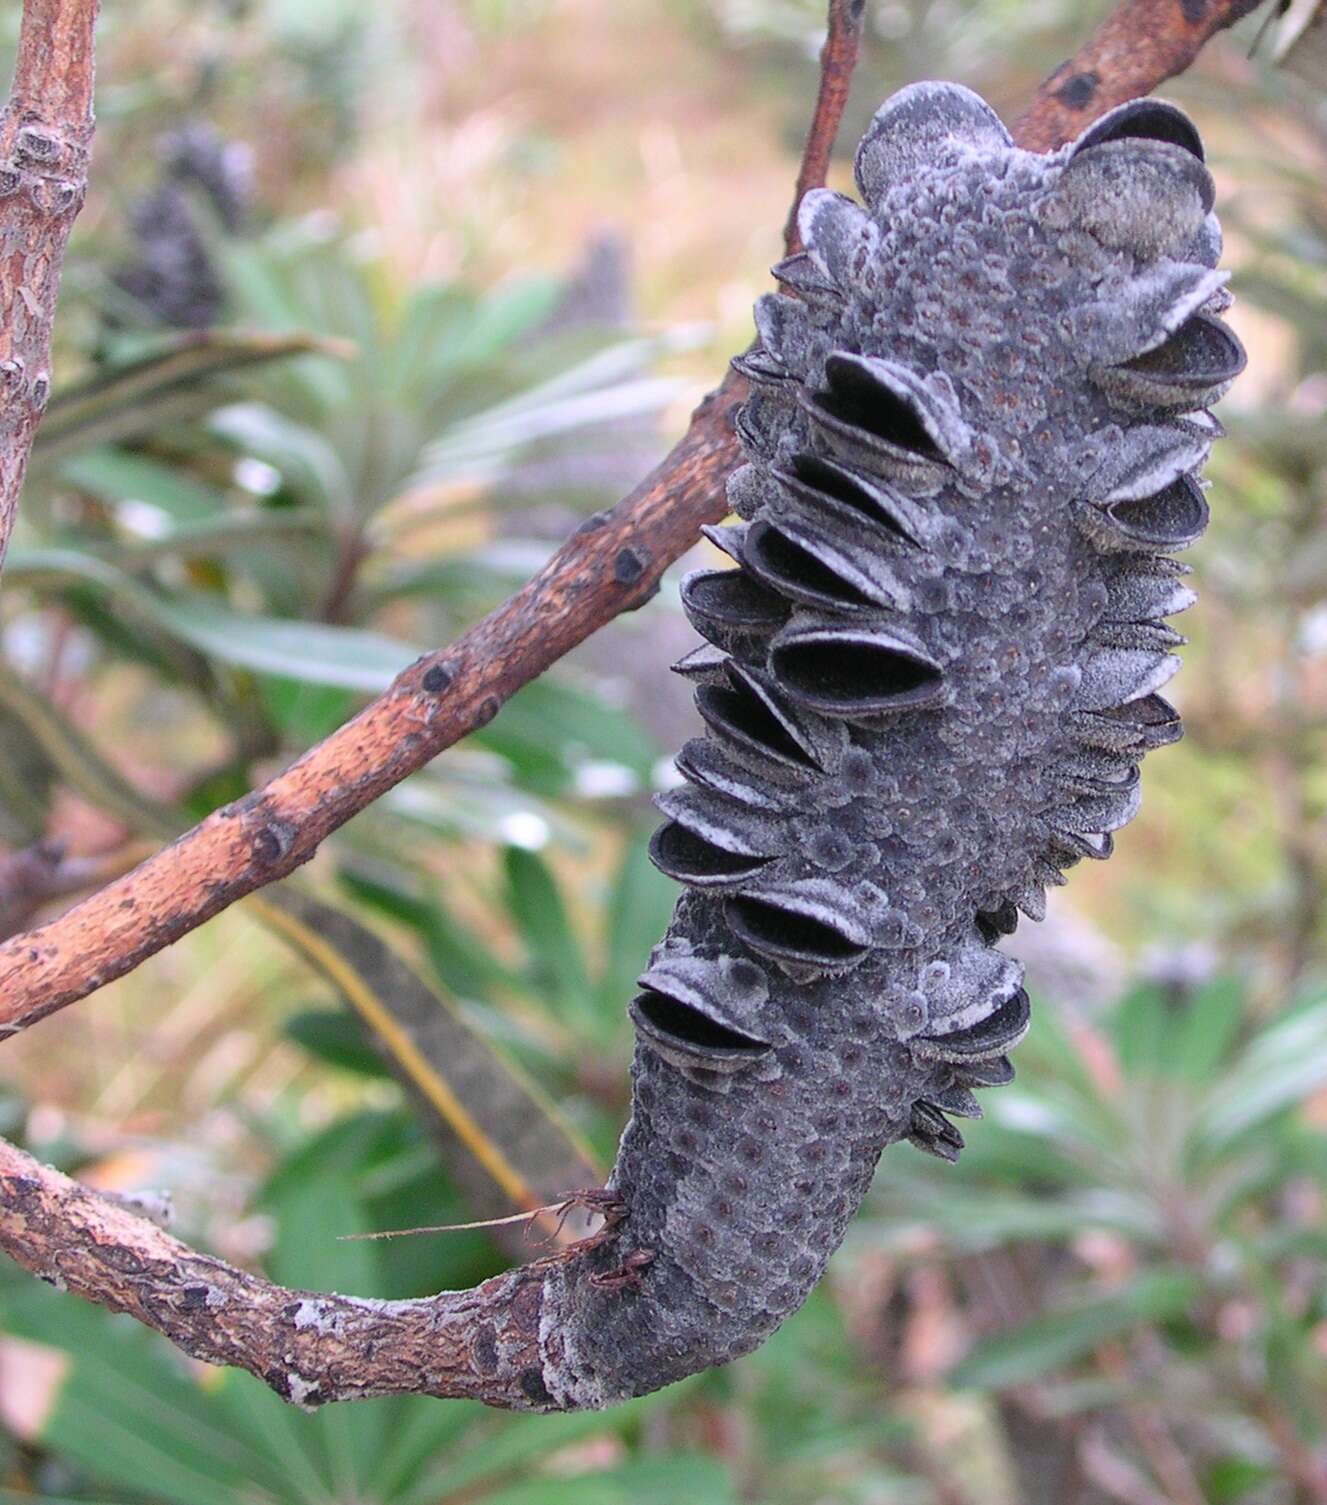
1137,48
504,1341
45,133
482,1344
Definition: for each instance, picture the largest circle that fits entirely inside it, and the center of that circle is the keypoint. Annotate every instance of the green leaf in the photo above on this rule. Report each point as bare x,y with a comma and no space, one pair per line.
427,337
1232,1480
27,780
242,530
1028,1352
170,377
426,1430
547,728
9,1497
1139,1027
463,962
80,765
639,909
272,1426
497,321
116,475
475,796
1185,1038
553,951
644,1481
987,1217
1208,1029
1281,1067
304,713
307,461
337,1038
479,447
311,652
513,1448
504,1141
126,1412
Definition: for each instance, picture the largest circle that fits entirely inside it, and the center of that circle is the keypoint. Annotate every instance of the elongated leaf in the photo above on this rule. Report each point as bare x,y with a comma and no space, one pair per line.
256,1413
644,1481
502,1454
495,323
474,798
464,964
173,377
1046,1343
556,960
638,912
116,475
78,762
1185,1039
993,1217
336,1037
1282,1067
312,652
505,1143
10,1497
424,1433
27,777
304,457
549,726
430,323
480,447
226,533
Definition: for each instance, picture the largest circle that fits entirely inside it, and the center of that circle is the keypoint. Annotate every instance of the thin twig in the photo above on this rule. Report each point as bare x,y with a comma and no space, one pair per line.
597,1201
507,1222
838,61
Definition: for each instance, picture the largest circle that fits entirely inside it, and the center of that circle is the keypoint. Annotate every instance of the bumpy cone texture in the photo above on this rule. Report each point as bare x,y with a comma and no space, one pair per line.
173,276
979,407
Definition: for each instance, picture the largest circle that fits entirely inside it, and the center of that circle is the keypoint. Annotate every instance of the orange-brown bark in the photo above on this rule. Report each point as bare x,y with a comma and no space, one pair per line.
45,133
1137,48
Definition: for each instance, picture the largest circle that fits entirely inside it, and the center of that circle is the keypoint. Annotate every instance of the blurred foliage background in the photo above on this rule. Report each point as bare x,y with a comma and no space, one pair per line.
368,306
